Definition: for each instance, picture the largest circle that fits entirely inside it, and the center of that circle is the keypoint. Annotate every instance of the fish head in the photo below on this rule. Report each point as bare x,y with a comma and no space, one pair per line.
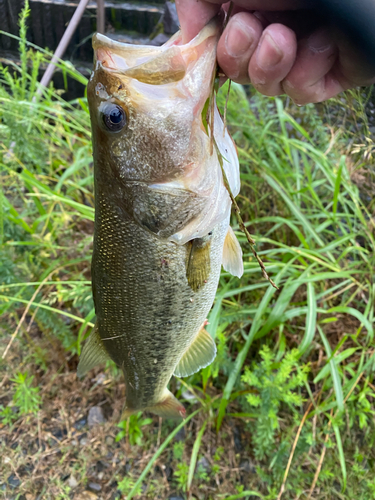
146,105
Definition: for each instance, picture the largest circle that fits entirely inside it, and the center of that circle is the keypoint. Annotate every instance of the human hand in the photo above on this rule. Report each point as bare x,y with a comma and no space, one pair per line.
280,48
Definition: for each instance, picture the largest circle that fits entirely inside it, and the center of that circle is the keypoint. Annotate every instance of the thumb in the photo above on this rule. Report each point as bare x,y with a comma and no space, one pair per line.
193,16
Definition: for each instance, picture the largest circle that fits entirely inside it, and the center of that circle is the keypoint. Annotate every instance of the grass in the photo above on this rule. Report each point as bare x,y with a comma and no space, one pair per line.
287,408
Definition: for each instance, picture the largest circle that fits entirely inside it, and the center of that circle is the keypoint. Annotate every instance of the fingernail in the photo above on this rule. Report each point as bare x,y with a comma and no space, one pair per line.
239,38
320,41
268,53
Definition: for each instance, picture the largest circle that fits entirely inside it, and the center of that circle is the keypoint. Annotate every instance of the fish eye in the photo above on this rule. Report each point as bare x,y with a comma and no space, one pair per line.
114,117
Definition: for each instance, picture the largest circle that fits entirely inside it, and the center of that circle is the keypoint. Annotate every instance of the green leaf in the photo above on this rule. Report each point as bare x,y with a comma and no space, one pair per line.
194,454
334,372
341,455
310,319
339,358
337,185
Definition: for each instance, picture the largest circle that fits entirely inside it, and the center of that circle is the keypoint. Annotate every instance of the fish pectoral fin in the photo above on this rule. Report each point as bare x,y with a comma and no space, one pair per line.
200,354
232,255
93,353
198,264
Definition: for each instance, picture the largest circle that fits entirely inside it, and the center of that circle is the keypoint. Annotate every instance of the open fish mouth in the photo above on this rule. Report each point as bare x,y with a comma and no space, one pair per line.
155,65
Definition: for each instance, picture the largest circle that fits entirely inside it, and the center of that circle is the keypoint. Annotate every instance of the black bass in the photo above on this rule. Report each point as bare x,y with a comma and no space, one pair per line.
161,214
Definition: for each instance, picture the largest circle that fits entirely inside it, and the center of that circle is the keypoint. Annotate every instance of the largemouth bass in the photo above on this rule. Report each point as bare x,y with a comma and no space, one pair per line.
161,214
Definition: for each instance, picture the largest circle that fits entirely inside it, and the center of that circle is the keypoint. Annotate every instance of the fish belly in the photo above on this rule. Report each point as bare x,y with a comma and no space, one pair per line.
147,313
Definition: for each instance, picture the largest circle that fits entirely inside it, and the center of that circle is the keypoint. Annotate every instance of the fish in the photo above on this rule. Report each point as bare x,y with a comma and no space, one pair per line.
162,213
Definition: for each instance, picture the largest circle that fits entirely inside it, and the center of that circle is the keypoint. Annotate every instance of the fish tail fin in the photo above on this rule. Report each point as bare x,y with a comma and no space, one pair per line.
168,407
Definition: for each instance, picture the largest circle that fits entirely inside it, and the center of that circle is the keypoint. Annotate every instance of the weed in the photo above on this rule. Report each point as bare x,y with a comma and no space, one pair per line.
132,428
127,484
178,450
274,383
26,397
181,474
7,415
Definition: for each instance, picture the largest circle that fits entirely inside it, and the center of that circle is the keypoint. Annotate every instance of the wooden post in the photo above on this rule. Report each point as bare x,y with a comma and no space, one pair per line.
100,16
62,45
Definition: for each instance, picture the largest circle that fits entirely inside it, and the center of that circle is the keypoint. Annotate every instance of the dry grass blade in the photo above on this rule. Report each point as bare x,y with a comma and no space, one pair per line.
321,459
293,450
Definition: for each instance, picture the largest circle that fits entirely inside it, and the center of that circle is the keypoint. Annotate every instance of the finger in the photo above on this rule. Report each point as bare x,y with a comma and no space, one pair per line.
312,78
273,59
193,16
237,44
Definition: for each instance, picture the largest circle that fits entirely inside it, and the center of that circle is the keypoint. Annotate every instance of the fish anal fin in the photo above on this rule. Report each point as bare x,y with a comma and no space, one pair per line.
198,263
168,407
93,353
201,353
232,255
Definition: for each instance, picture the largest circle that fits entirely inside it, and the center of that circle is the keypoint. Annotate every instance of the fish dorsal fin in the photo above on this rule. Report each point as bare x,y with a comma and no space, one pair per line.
168,407
198,264
93,353
232,255
200,354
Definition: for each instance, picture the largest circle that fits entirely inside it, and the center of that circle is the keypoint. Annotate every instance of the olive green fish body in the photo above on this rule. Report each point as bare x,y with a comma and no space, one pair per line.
147,313
161,214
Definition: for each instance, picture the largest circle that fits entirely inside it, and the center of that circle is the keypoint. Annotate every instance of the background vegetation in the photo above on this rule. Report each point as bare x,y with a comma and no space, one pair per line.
287,408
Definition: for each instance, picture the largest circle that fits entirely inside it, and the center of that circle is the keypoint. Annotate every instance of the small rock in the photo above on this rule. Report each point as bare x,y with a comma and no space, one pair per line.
171,23
100,476
109,440
180,436
13,481
168,473
86,495
94,487
237,439
72,482
203,463
83,441
189,396
160,39
95,416
247,466
79,424
74,442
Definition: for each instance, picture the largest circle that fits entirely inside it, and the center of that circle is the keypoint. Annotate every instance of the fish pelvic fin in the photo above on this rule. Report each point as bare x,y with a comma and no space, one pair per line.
232,255
93,353
168,407
200,353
